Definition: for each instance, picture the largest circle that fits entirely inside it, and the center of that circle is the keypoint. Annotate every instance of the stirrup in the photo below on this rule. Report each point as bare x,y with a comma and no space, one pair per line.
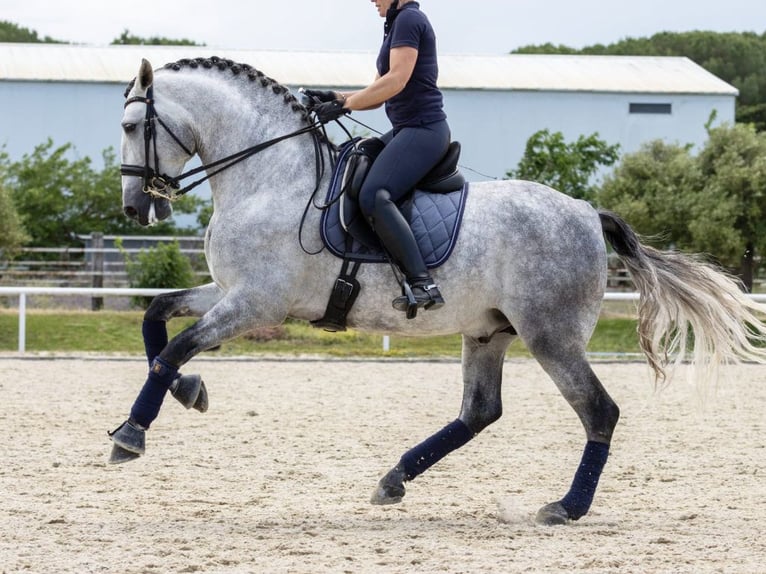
425,295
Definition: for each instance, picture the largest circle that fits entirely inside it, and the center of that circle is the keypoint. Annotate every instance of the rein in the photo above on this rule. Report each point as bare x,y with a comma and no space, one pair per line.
163,186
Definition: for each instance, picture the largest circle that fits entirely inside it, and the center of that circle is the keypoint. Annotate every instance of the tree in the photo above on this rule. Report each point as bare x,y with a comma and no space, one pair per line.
733,165
10,32
12,234
160,267
570,168
652,189
126,38
58,197
712,203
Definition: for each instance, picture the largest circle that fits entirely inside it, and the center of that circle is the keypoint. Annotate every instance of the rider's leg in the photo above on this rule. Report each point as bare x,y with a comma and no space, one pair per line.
395,233
407,157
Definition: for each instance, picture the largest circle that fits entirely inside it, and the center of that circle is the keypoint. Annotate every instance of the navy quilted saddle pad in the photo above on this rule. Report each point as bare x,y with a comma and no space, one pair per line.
434,217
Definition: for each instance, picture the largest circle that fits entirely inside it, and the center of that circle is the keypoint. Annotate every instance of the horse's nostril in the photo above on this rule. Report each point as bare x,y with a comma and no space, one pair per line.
131,212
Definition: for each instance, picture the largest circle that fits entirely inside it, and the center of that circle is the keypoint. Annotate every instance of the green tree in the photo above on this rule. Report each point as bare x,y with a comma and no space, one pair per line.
713,203
12,234
160,267
10,32
733,165
568,167
126,38
58,197
652,188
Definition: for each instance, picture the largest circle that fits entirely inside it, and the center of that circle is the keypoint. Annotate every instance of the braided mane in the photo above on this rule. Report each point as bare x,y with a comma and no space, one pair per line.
236,69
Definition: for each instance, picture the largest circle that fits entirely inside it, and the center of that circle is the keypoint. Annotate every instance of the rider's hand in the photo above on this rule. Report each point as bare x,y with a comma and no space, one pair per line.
330,111
321,96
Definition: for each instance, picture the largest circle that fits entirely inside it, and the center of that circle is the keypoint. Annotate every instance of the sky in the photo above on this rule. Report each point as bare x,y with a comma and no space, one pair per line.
462,27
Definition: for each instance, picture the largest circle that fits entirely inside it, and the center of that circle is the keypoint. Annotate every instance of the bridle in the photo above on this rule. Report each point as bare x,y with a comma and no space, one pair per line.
163,186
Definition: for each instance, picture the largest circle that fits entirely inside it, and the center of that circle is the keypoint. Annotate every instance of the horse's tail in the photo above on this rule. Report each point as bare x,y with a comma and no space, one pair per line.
682,295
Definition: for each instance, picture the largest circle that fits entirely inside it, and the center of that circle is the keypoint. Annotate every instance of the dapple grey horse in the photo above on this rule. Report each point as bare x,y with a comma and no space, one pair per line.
529,262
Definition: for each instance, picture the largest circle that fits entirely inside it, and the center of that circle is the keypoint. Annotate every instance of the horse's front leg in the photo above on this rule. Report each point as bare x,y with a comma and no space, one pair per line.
226,319
482,405
189,390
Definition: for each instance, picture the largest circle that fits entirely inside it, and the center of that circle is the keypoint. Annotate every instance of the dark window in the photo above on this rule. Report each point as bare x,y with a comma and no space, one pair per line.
651,108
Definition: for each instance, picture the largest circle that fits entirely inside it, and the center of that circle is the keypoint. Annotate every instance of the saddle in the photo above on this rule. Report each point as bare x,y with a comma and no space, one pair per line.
434,211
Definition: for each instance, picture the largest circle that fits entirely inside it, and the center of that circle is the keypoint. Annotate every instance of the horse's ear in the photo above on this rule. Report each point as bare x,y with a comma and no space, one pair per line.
145,75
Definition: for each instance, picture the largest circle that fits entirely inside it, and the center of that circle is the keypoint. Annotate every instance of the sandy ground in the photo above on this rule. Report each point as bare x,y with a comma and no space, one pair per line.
276,477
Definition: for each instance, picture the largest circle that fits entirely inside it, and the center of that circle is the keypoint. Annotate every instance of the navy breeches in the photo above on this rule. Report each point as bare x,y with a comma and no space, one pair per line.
410,153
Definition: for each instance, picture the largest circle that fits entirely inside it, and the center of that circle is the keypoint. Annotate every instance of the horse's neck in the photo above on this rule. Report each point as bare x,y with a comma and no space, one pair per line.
228,118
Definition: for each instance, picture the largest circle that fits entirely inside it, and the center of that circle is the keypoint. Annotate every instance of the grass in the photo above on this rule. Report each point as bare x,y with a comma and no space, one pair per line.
119,332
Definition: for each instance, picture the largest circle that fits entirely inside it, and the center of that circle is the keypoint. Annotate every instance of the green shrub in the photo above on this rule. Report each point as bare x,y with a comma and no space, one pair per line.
160,267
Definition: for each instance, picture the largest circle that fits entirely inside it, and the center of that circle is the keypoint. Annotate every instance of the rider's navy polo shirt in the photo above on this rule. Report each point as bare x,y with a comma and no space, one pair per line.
420,102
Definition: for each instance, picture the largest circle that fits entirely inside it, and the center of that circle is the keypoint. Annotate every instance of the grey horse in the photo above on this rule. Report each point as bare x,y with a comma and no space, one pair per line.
529,263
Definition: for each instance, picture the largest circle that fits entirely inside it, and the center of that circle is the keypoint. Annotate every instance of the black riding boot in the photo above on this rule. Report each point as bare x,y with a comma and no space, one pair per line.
396,235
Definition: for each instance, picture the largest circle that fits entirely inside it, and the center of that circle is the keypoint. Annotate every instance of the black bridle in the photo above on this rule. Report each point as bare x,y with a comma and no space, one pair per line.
163,186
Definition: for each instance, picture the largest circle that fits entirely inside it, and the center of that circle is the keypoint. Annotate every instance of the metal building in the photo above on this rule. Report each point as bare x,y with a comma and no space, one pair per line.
495,103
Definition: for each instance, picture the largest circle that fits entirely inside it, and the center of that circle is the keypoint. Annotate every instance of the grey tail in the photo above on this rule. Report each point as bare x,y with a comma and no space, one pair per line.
685,301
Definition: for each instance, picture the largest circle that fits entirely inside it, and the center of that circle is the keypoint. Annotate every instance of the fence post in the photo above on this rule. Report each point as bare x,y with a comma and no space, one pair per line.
97,245
22,322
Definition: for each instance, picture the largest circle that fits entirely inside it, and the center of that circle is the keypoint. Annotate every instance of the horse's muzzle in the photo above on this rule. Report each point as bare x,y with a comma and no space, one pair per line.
147,210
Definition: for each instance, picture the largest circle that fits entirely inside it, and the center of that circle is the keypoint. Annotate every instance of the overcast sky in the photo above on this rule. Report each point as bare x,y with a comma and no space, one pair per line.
479,26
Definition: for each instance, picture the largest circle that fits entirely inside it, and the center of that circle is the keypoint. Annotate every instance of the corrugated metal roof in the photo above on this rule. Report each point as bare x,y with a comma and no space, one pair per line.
632,74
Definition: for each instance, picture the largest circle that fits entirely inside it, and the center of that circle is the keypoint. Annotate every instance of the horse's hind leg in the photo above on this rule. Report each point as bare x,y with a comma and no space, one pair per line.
482,405
599,414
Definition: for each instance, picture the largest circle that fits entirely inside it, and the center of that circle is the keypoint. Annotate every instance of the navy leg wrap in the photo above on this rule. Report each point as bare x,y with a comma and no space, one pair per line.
422,457
155,338
580,496
149,400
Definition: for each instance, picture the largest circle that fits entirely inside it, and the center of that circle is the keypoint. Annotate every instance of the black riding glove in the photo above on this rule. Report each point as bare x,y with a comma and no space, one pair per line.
330,111
320,96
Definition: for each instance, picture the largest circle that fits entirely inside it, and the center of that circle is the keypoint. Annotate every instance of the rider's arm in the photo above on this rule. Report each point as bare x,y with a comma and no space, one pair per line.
385,87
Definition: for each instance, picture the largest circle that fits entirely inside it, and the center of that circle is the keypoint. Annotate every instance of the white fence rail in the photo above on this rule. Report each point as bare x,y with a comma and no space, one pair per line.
22,293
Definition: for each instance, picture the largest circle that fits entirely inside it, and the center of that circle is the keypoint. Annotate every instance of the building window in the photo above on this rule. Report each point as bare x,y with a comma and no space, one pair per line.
651,108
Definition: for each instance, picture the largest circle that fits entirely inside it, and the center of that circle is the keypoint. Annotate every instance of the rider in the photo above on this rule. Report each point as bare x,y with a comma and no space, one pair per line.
406,82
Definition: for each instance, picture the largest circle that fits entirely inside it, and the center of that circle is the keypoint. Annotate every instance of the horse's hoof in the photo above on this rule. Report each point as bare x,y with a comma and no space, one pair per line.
390,489
129,442
552,514
190,391
120,455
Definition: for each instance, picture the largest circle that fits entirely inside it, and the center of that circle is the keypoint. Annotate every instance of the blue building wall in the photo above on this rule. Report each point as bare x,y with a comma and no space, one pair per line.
493,126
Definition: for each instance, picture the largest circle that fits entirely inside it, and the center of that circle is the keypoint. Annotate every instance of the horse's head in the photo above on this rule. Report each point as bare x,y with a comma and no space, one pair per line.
156,144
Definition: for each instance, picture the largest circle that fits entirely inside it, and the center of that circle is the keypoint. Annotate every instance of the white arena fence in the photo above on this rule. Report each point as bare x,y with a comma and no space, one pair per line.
22,293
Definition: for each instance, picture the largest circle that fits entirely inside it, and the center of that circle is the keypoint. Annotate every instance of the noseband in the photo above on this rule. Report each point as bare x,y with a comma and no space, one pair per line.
163,186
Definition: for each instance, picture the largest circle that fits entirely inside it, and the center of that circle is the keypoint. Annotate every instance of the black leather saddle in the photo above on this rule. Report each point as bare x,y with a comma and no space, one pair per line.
434,210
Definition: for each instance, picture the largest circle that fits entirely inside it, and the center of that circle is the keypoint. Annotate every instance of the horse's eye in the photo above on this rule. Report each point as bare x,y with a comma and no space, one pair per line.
128,128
